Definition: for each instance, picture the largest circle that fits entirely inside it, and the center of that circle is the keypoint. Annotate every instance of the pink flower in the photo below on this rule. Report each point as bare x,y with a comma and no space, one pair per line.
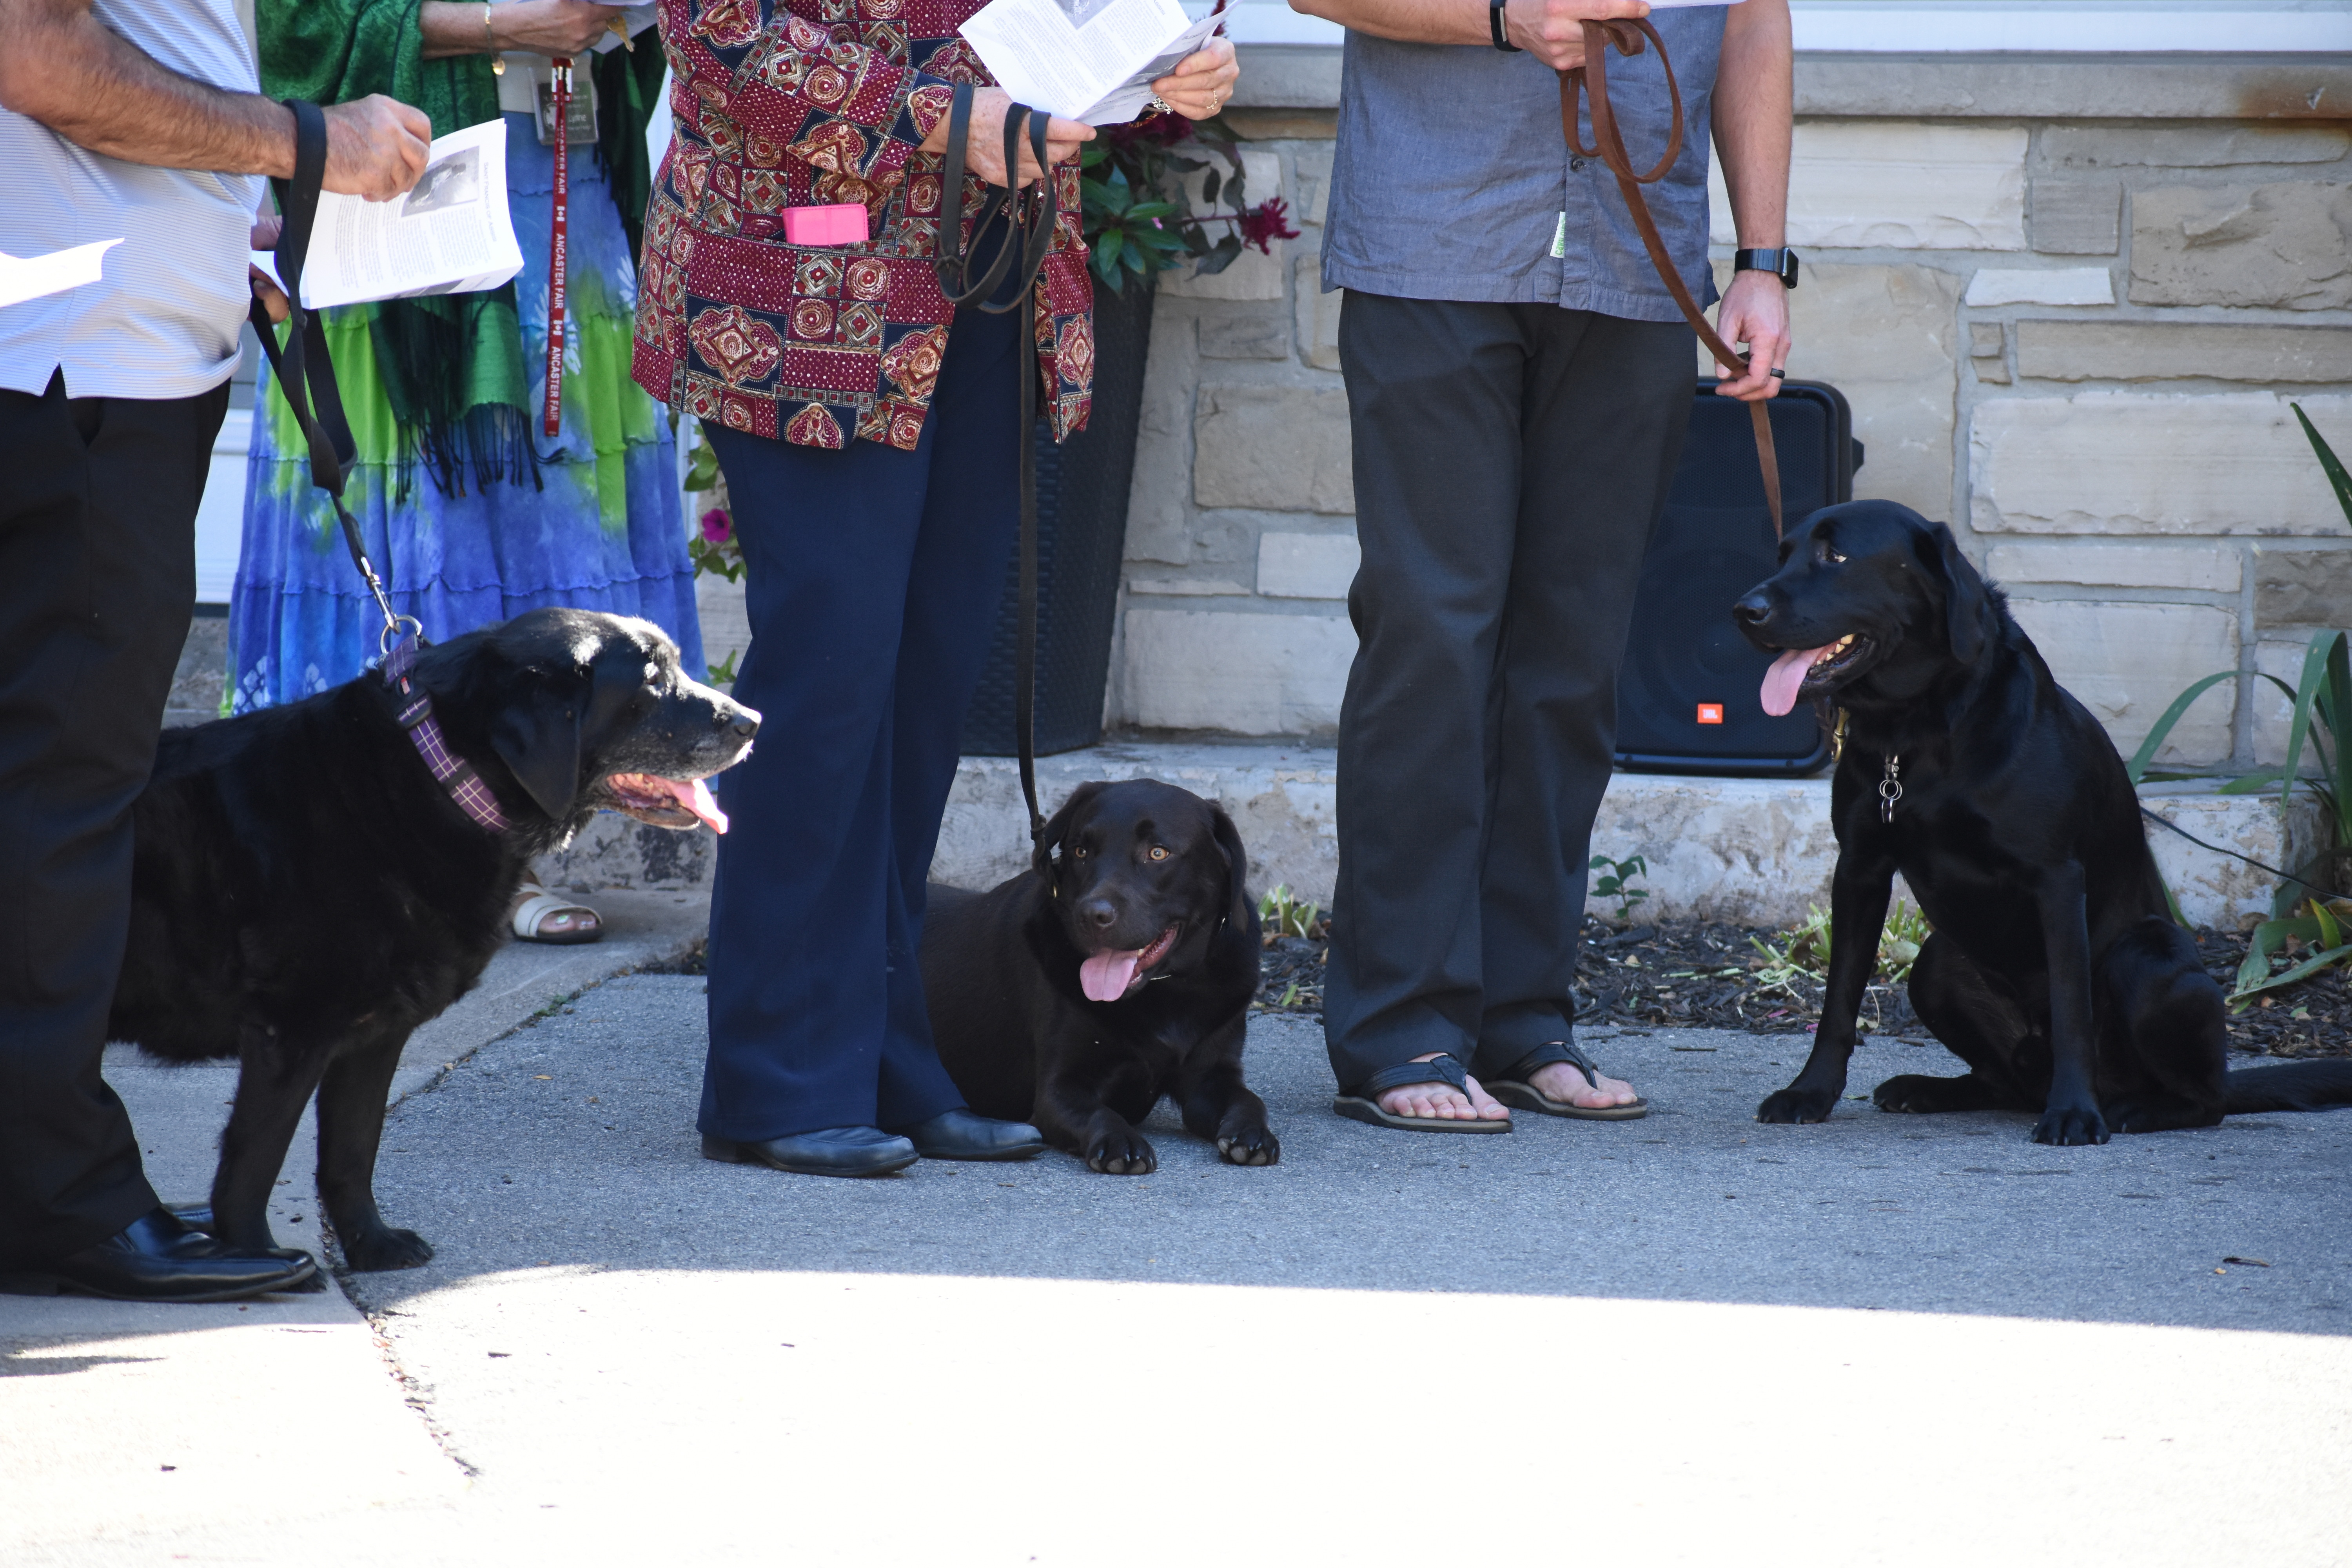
716,526
1269,220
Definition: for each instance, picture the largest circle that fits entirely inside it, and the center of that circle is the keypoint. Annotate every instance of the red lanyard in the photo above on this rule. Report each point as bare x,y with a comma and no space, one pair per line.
556,260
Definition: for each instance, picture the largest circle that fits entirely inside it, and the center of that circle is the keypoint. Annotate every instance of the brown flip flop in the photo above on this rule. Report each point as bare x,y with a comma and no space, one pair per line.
1520,1095
1364,1104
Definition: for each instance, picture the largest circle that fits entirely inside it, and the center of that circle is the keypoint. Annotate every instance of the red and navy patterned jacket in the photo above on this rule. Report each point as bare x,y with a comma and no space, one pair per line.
786,103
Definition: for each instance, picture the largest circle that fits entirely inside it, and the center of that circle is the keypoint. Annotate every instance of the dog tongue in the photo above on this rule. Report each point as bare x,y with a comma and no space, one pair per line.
1787,674
696,796
1104,976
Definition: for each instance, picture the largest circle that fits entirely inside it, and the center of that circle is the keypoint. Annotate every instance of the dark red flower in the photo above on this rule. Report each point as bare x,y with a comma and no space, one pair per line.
1267,222
1152,131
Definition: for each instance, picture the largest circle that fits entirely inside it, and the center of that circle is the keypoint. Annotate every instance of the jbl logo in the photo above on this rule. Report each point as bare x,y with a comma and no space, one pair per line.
1710,713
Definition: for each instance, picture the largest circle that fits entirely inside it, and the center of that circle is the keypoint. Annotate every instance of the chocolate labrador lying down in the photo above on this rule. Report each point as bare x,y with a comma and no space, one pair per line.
2055,971
1078,994
306,890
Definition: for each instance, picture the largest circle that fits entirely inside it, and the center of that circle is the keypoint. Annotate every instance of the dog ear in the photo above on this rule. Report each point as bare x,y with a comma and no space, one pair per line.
1229,839
1966,605
1041,858
539,741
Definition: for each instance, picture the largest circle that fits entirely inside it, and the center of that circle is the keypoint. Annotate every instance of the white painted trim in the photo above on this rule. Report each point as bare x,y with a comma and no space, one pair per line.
1945,26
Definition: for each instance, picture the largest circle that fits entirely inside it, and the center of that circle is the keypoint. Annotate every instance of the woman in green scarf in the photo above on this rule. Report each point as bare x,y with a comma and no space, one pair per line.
479,514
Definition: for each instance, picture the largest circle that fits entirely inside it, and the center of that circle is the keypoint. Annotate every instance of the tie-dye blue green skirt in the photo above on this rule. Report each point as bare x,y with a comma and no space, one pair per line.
603,530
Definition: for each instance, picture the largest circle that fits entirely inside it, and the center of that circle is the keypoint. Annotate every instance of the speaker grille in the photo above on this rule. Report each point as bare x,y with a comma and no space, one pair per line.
1713,543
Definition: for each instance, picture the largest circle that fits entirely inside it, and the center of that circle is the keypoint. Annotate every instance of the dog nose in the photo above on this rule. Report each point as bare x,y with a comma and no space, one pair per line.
745,722
747,726
1754,610
1100,911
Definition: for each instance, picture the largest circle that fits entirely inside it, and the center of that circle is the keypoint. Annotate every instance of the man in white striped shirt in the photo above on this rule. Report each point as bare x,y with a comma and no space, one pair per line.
137,121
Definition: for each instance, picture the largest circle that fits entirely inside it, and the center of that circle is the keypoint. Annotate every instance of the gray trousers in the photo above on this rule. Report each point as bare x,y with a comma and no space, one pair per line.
1510,462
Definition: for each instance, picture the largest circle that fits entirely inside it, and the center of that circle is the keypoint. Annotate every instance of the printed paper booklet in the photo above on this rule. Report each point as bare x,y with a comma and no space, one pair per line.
1090,60
449,235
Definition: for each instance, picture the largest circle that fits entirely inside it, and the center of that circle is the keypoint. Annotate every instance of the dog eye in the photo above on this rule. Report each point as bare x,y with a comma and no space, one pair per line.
1159,852
1836,559
1077,854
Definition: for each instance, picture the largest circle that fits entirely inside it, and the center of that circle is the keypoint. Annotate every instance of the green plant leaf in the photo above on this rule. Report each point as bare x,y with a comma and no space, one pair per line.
2331,934
2340,481
2137,767
2300,972
2265,940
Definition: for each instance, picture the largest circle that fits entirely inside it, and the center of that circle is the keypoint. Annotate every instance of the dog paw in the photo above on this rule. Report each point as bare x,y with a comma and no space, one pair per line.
1249,1146
1911,1094
1793,1105
1122,1155
376,1251
2069,1126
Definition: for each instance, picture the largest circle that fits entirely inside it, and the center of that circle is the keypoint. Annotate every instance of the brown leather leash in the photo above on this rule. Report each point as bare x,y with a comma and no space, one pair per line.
1628,35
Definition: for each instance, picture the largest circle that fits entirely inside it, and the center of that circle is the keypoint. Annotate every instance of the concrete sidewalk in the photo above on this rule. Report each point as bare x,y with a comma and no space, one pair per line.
1685,1339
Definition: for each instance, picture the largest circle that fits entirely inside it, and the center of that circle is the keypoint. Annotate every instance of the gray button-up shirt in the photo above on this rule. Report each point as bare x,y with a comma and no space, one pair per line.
1451,176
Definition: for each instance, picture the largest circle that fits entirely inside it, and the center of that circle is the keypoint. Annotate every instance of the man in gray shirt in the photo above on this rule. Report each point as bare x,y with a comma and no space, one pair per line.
1518,382
136,120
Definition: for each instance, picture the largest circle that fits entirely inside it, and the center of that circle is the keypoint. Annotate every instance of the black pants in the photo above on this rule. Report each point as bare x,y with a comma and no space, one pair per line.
1510,462
98,579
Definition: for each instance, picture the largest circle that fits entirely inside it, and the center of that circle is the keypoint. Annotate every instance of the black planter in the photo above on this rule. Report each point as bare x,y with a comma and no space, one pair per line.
1081,537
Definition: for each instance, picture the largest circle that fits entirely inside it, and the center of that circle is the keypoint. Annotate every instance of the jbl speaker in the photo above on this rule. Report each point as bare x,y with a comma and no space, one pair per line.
1687,694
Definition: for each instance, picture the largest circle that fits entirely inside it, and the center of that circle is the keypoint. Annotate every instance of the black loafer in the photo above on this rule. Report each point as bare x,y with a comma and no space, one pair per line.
962,1135
827,1152
157,1258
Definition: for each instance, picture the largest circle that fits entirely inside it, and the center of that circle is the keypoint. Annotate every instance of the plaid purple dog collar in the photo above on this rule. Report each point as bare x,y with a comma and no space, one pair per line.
413,709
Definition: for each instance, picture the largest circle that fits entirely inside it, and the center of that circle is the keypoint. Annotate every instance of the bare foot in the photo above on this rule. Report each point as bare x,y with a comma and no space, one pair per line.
1444,1102
1561,1081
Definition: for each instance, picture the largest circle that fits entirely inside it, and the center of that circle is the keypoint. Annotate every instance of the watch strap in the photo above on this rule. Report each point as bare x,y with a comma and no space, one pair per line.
1494,27
1781,261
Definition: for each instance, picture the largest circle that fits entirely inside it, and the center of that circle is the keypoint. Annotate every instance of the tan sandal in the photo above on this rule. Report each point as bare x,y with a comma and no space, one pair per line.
535,907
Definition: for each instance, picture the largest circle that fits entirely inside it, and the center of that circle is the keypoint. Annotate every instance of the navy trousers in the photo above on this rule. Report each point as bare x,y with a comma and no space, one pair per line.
873,587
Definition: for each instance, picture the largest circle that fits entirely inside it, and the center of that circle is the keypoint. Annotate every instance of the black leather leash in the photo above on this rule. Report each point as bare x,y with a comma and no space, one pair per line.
955,265
305,376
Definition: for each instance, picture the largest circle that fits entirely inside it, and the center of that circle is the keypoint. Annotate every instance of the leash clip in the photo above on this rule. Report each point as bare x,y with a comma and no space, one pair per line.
1890,789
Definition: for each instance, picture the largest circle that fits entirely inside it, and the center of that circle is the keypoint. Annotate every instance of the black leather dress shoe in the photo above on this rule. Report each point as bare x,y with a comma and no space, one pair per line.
157,1258
827,1152
962,1135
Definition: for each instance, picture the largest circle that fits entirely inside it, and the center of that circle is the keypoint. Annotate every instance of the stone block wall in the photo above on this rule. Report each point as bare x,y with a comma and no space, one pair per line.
2069,297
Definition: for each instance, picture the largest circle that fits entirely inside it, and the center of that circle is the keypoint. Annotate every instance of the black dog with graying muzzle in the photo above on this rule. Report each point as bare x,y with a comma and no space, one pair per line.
306,889
2055,971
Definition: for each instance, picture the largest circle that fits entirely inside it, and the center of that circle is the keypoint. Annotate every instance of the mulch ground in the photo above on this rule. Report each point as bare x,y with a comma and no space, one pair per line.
1697,974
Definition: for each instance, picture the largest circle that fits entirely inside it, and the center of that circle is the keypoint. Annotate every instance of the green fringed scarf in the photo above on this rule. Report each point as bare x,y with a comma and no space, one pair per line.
452,363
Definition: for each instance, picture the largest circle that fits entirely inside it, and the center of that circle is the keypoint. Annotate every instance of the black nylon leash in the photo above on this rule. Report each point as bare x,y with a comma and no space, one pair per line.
2328,893
305,376
955,267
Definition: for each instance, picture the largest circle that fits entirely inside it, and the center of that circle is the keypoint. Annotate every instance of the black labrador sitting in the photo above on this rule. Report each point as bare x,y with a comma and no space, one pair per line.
306,891
1078,992
2055,972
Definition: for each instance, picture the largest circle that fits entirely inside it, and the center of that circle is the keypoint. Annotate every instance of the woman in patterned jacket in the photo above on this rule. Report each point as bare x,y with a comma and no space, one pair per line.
870,434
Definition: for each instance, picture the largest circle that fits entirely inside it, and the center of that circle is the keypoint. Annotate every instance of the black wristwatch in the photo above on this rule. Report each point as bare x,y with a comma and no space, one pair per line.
1494,25
1781,263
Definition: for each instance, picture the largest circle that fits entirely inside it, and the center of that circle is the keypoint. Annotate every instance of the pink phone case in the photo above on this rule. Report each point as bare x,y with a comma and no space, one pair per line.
843,223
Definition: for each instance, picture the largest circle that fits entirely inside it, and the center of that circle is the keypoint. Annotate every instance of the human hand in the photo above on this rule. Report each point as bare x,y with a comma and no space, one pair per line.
985,143
550,26
1755,312
1553,30
264,288
376,147
1197,89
